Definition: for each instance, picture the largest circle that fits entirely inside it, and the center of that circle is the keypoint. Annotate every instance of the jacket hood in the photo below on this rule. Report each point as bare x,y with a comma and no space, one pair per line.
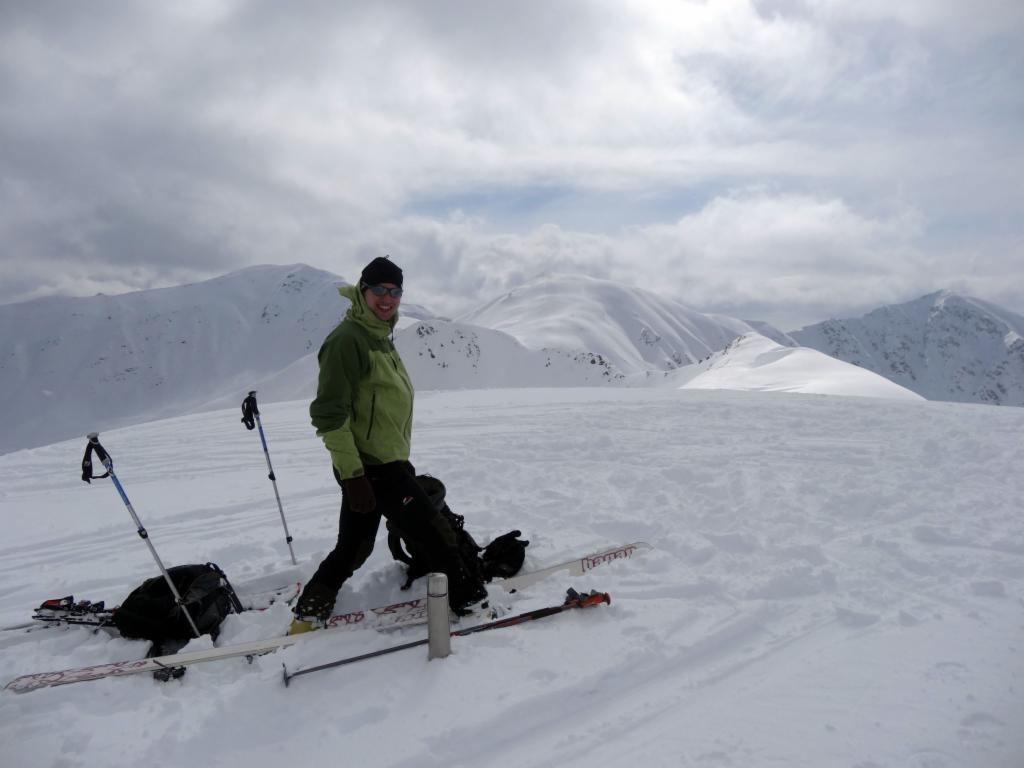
360,312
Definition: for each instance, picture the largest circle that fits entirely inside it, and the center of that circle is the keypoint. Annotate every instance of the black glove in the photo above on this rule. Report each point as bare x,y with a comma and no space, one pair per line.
360,494
504,556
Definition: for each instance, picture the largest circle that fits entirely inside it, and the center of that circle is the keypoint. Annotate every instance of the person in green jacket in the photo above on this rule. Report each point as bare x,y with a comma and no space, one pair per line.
363,413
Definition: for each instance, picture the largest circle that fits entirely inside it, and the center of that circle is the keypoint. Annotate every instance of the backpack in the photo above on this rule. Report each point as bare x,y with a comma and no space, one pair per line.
150,612
501,558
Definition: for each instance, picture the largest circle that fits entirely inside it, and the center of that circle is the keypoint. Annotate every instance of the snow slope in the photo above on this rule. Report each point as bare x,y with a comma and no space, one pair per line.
451,355
753,362
77,365
634,329
440,354
943,346
837,582
72,365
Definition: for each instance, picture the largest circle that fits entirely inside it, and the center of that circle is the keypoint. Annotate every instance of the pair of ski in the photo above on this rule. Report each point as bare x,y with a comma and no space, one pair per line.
393,616
65,611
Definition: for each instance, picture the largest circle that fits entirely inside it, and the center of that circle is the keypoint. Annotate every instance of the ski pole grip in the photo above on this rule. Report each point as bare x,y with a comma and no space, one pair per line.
250,410
574,599
104,457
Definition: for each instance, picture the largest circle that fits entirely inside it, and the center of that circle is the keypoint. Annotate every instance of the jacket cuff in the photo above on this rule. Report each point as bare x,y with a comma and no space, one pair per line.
343,452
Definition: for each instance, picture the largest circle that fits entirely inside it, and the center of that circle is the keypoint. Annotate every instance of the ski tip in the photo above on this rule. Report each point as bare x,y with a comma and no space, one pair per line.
287,677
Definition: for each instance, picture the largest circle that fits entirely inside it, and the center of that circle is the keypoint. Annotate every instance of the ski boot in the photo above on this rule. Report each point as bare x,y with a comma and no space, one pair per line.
313,609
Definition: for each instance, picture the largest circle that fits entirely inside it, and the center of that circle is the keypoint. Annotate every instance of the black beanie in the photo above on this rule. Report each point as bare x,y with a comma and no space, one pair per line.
381,270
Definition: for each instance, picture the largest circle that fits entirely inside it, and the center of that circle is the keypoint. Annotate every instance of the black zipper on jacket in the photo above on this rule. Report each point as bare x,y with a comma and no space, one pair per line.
373,408
408,382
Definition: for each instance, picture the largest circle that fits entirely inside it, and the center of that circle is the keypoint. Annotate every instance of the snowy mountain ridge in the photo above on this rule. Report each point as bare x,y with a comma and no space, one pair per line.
452,355
944,346
66,363
634,329
74,365
442,355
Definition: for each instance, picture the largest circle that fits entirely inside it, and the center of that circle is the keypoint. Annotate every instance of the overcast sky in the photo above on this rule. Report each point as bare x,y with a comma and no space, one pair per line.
787,160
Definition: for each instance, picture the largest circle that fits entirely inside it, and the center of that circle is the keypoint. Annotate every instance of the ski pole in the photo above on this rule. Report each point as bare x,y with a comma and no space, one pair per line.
573,599
251,418
88,476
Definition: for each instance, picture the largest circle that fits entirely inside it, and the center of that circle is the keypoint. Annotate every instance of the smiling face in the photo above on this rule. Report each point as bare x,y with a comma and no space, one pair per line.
384,307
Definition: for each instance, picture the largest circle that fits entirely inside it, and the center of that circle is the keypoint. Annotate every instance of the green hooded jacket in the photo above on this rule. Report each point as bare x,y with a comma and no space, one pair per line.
364,397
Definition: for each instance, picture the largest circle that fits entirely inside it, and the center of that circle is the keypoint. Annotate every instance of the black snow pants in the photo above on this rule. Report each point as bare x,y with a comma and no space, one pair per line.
406,505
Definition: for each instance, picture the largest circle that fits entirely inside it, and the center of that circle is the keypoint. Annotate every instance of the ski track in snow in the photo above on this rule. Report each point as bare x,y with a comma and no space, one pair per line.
836,582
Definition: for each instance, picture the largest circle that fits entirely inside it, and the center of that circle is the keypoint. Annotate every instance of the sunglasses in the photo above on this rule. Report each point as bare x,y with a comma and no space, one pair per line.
380,290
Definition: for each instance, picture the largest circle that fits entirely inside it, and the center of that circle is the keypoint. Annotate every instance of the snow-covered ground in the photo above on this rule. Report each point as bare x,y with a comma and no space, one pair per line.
836,582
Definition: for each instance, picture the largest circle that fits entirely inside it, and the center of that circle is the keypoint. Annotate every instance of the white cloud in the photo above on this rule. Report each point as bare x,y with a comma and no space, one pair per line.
802,253
962,23
491,142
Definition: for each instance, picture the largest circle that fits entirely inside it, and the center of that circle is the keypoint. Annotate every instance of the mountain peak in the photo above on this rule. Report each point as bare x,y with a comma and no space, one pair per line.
944,346
638,331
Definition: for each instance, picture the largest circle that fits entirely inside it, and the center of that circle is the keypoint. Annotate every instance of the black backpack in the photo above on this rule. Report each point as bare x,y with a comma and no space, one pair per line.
150,612
501,558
